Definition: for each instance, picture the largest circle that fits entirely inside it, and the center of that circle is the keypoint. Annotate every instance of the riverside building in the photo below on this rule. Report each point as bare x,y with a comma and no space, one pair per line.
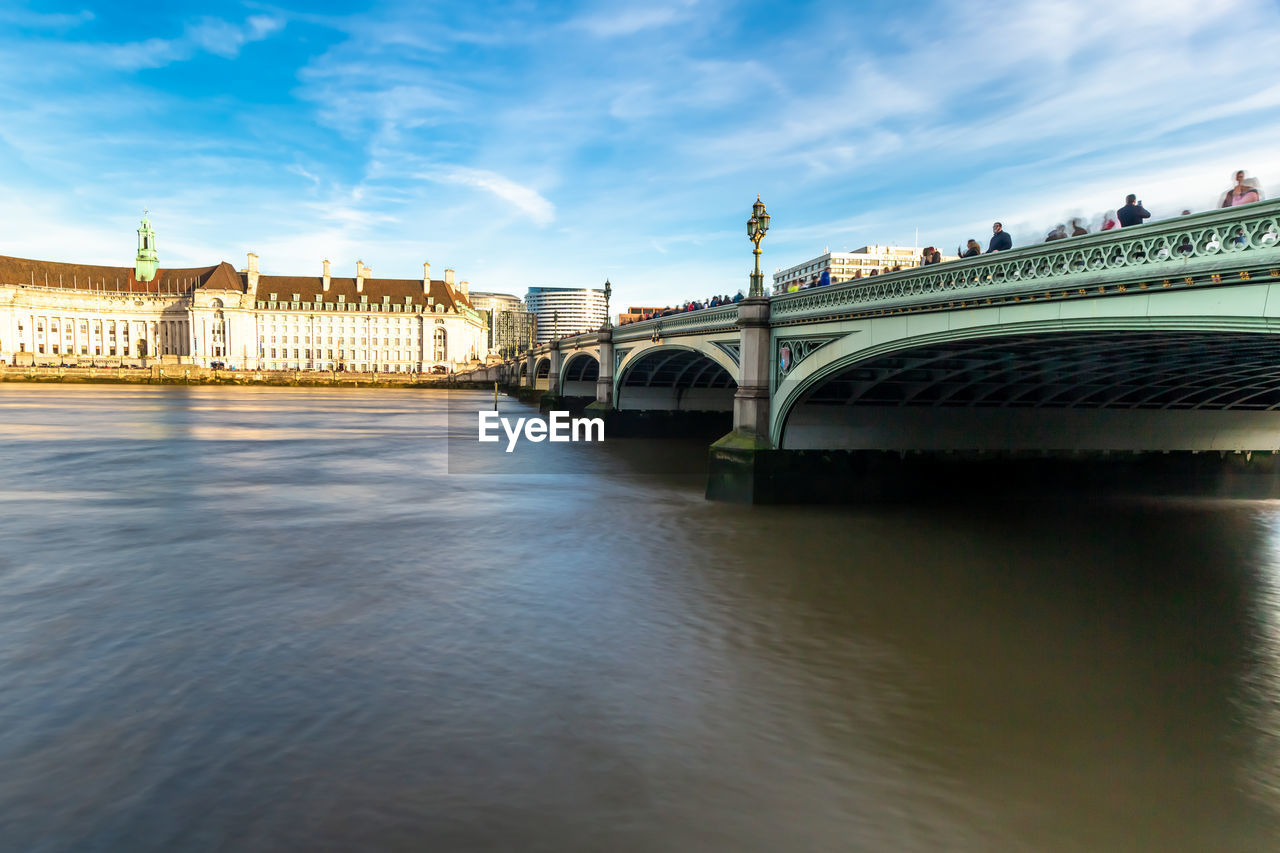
635,313
843,266
565,311
62,313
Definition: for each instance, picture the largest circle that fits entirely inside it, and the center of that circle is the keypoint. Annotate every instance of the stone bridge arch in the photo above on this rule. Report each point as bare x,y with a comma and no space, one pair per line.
541,373
579,374
659,376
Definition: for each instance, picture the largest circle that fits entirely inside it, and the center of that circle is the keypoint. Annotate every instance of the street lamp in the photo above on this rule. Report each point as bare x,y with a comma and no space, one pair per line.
555,325
608,291
757,227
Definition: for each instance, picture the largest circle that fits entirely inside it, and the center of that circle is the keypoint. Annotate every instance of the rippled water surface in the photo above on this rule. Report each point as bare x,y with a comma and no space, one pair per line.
271,619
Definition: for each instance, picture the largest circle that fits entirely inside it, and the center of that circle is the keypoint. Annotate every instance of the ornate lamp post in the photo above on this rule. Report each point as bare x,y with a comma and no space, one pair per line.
555,325
608,291
757,227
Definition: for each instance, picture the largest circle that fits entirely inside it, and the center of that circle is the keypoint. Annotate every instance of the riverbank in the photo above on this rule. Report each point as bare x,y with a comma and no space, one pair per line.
174,374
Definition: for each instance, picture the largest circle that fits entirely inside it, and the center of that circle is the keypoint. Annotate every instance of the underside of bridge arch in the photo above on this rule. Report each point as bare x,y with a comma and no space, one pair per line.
681,380
1052,392
580,374
542,373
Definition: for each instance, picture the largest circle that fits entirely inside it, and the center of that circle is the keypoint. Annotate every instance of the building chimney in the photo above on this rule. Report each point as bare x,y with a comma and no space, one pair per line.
326,276
252,270
362,272
448,278
464,290
426,277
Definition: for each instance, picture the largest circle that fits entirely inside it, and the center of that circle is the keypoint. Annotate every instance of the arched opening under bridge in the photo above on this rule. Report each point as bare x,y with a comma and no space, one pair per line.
579,376
675,379
1061,391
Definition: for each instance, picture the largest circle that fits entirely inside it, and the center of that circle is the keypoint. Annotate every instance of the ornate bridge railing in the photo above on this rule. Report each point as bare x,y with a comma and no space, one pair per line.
707,319
586,339
1237,239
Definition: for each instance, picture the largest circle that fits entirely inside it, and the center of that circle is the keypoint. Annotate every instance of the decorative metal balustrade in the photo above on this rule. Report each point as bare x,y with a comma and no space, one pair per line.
1239,243
705,319
1236,240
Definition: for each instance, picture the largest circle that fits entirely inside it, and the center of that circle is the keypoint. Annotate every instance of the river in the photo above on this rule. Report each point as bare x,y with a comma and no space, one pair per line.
272,619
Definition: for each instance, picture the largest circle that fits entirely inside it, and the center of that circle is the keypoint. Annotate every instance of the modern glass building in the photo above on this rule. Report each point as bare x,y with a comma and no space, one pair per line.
565,311
510,324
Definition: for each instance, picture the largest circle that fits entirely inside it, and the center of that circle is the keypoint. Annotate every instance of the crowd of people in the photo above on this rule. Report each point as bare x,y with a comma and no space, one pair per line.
1245,190
695,305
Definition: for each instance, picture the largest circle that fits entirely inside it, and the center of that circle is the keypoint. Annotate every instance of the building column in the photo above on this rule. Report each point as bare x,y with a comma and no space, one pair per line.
530,364
604,385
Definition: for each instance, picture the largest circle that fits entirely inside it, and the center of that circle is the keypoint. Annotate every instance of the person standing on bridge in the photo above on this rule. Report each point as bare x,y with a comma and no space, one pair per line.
1132,213
1244,192
1000,239
972,250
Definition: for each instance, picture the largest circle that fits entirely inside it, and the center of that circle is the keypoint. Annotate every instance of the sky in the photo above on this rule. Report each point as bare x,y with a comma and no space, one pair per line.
559,144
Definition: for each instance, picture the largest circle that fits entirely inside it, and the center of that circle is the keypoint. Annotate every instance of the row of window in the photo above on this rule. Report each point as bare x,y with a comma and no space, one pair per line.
364,367
407,307
394,355
55,349
306,339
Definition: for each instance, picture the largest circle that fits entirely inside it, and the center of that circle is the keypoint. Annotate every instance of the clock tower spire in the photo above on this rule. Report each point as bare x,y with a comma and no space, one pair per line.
145,266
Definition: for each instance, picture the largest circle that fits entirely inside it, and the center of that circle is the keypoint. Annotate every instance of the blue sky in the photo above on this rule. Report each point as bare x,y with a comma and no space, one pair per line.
550,144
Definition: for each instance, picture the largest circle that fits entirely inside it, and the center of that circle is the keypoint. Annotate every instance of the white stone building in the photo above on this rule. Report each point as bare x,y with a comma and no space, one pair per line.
843,266
60,313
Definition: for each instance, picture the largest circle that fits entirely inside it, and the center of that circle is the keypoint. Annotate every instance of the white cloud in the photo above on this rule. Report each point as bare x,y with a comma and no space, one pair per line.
523,198
208,35
225,39
631,20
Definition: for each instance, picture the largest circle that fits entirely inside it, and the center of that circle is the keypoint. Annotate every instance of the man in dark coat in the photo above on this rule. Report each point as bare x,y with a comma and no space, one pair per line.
1132,213
1000,240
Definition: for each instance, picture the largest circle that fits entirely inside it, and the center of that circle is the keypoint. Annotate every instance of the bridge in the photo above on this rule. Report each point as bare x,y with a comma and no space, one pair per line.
1155,338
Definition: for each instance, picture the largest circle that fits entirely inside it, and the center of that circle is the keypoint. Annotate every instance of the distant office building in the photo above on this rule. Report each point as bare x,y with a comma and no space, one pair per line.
513,332
842,266
510,323
566,310
635,313
483,301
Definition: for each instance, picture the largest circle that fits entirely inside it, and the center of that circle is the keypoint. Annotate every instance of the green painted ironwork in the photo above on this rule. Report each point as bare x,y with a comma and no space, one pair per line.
1238,238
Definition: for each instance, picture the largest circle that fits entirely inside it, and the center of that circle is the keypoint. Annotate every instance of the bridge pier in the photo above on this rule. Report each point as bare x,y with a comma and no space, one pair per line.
604,384
552,398
603,405
530,361
740,468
